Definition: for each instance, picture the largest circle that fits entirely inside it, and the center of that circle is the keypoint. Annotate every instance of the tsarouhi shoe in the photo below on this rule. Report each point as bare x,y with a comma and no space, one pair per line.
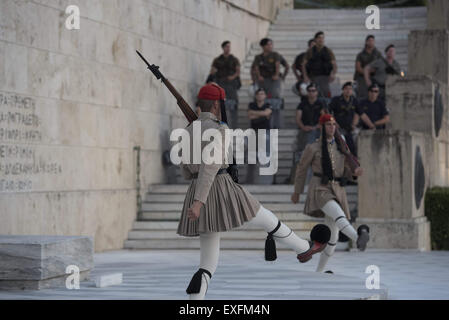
319,236
315,247
362,240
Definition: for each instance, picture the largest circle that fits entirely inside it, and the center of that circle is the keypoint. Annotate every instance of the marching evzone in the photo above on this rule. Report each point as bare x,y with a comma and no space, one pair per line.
214,203
326,195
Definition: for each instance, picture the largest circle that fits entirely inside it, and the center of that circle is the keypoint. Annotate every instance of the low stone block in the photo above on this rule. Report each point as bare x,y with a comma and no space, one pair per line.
417,103
108,280
36,262
396,174
398,233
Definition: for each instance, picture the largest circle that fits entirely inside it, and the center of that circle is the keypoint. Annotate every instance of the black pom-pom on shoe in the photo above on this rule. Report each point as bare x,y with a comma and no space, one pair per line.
361,228
363,237
320,233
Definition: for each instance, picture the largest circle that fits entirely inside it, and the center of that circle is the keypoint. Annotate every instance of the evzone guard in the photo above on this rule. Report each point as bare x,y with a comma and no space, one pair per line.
215,203
328,157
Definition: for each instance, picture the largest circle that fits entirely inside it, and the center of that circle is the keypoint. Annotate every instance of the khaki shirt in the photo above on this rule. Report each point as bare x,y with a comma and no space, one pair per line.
380,65
226,66
206,172
266,63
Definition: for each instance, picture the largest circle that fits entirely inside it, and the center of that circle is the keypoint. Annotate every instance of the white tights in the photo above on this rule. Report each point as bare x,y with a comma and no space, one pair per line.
265,219
336,220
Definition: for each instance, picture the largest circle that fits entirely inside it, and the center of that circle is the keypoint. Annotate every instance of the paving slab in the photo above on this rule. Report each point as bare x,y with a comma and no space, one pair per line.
243,274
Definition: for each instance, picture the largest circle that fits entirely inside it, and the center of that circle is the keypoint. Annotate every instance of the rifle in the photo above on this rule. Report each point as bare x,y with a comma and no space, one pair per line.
186,109
390,70
349,157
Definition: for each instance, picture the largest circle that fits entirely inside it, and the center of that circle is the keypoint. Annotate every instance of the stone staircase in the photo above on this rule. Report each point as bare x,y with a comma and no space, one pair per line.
162,205
345,33
286,138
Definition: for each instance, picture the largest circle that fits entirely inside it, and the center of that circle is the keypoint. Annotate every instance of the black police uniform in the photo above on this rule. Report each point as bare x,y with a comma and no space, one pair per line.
344,112
374,110
262,122
311,113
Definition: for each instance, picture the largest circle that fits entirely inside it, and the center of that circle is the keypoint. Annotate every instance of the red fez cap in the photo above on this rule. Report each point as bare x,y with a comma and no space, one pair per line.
326,117
212,91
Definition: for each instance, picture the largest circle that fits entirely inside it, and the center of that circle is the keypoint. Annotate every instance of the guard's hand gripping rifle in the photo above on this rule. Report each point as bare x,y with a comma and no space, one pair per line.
185,108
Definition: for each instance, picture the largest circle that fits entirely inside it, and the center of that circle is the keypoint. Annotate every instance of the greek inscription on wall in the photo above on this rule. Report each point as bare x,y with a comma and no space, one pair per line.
20,134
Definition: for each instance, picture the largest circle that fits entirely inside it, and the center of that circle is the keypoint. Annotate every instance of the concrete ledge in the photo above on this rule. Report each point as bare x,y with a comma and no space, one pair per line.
36,262
398,233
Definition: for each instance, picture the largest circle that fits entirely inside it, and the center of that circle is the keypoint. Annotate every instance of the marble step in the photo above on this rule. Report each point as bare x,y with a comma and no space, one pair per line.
176,215
343,62
301,27
300,224
355,27
194,243
341,69
294,215
173,207
244,234
346,43
243,170
262,197
252,188
387,13
347,56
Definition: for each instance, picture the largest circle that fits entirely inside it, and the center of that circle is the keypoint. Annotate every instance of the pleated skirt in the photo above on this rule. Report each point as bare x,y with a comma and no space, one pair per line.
318,195
228,206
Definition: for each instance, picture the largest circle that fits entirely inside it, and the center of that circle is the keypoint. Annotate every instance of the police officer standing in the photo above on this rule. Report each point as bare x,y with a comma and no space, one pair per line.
372,111
344,108
297,69
266,69
382,67
365,57
265,72
320,65
225,71
259,112
307,118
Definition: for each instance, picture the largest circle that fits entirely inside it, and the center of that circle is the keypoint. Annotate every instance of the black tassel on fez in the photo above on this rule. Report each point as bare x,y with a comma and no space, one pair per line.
270,245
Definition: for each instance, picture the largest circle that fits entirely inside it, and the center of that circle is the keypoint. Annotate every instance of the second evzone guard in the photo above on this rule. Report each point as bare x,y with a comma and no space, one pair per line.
214,203
326,195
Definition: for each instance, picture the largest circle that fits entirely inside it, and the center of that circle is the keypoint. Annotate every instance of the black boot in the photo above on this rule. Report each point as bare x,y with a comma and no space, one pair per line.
362,240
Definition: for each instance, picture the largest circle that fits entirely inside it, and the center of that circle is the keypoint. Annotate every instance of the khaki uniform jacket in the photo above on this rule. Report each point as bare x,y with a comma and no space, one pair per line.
206,172
227,204
318,195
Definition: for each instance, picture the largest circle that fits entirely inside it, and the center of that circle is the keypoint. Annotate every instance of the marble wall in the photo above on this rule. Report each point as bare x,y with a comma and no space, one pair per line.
74,103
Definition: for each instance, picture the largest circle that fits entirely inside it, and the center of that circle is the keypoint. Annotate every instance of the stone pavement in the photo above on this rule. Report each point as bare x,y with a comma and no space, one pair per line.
164,274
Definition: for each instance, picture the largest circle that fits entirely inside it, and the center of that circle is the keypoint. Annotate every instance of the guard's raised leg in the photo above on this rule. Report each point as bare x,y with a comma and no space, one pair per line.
280,232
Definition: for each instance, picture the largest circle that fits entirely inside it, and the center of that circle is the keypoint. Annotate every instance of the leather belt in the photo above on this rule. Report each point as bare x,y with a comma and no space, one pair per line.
342,180
221,171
